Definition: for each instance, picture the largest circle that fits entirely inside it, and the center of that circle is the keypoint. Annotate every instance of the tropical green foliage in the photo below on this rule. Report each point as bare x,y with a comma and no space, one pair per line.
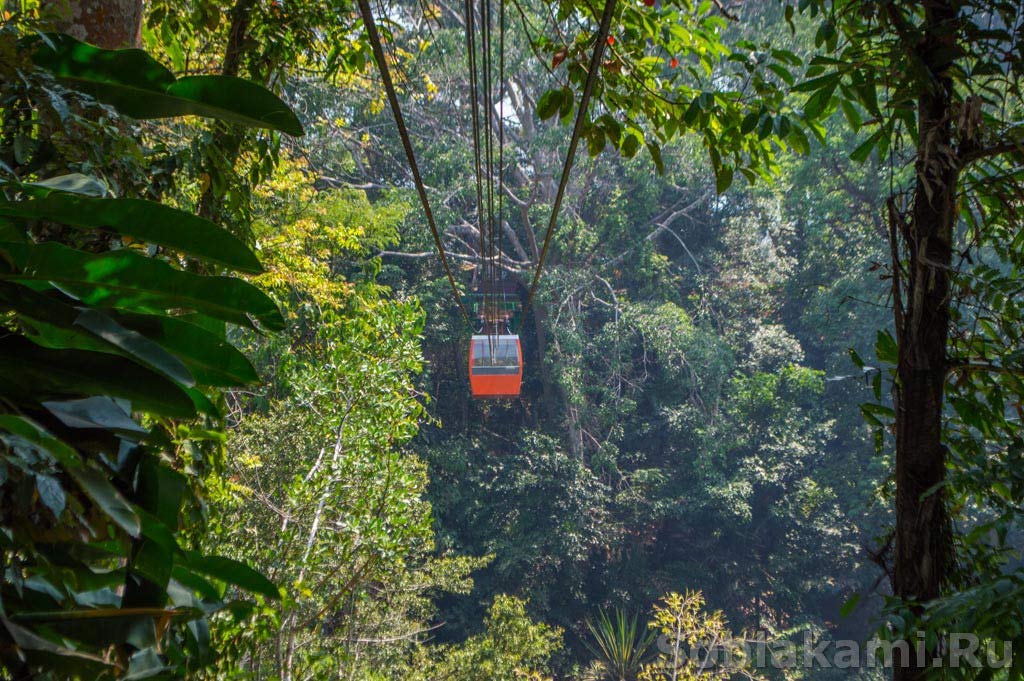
114,360
939,100
670,72
321,492
511,648
687,440
185,494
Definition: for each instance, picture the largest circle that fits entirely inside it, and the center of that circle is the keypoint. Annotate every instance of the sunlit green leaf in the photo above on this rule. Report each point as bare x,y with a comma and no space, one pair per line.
136,85
133,282
142,220
231,571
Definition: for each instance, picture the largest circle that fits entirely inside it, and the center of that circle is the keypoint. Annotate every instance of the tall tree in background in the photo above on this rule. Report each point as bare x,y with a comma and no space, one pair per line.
923,537
939,82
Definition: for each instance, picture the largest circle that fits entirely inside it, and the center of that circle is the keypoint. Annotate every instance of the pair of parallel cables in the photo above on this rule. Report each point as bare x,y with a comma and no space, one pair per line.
490,244
489,224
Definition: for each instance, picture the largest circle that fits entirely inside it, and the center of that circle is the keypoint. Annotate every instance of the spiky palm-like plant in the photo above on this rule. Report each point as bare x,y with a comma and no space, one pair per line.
620,646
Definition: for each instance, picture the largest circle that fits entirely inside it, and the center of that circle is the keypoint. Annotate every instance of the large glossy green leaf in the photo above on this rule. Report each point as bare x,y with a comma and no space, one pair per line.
145,664
131,281
141,220
57,658
74,183
230,571
135,345
99,489
202,403
157,532
95,412
55,323
211,359
160,490
92,482
150,560
34,374
136,85
116,340
197,584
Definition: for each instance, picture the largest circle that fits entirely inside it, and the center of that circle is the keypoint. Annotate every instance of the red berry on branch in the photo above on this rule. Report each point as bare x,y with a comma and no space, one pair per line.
649,3
674,63
611,40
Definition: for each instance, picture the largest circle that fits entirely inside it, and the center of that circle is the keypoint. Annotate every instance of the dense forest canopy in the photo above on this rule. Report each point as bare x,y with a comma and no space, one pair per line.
772,366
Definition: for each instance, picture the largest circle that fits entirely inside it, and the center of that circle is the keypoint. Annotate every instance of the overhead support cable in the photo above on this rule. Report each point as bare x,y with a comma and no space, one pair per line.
403,133
475,107
485,45
588,88
487,92
501,146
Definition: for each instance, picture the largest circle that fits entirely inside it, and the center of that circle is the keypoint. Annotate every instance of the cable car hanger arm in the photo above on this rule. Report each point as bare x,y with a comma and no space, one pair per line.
588,88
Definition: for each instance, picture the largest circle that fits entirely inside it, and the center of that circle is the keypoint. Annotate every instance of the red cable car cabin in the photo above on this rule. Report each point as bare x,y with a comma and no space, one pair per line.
495,366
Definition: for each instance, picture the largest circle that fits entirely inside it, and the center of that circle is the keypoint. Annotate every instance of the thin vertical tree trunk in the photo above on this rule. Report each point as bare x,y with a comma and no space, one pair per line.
923,540
227,139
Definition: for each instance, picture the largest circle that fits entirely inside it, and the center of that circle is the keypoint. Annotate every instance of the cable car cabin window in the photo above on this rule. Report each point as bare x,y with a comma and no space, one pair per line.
495,355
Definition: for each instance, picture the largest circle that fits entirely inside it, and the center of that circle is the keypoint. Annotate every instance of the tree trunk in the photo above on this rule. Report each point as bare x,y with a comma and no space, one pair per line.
923,539
112,24
227,139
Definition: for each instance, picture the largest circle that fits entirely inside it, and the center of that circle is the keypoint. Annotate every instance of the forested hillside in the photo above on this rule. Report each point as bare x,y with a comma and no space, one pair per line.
771,368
